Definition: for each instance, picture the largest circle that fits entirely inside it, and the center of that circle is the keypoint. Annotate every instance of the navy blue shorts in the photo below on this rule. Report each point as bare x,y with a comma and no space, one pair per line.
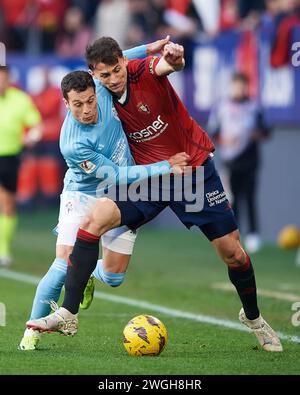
215,217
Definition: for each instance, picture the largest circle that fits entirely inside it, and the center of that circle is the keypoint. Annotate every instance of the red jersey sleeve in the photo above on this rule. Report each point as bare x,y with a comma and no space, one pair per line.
151,63
145,67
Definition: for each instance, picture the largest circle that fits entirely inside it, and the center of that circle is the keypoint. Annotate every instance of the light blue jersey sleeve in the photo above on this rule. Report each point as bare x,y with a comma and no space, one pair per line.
136,52
95,164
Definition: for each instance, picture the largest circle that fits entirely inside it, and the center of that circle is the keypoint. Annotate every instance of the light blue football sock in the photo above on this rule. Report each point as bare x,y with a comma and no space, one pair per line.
112,279
49,288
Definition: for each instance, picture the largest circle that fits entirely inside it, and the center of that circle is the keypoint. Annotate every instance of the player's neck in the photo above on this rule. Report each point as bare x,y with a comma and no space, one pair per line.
122,96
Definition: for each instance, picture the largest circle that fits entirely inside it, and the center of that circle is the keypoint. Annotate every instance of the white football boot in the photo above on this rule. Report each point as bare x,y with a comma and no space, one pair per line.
60,321
266,336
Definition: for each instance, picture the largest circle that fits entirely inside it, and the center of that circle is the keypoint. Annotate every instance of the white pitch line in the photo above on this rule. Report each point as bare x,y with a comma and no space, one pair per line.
263,292
29,279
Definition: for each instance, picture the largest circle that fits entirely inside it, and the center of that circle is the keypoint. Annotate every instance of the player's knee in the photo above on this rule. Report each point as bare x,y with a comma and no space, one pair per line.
107,204
88,222
104,217
234,256
106,213
63,251
113,279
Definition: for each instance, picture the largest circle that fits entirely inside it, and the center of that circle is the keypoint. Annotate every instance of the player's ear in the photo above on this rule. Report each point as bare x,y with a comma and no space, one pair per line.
125,60
66,103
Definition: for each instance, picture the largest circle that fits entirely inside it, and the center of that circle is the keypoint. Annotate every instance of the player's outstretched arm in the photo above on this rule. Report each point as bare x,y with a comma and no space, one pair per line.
142,51
172,60
99,166
157,46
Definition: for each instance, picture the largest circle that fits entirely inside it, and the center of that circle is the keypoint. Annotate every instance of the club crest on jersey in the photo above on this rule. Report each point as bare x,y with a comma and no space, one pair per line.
143,108
87,166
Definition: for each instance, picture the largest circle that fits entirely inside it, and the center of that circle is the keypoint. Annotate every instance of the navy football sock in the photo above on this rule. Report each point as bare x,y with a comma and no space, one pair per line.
243,278
81,265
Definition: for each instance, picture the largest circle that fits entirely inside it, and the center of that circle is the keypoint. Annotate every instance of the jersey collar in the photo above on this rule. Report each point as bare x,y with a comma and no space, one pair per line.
125,97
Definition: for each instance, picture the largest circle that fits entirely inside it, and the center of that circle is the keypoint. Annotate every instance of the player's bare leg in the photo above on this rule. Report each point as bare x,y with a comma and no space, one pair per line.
110,270
114,261
242,276
104,217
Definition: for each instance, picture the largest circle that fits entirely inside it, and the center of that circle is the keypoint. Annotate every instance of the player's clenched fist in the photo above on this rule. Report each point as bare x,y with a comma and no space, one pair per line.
173,55
179,162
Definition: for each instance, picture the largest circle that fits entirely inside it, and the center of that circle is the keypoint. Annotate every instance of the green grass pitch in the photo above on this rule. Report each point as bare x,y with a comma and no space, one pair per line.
173,269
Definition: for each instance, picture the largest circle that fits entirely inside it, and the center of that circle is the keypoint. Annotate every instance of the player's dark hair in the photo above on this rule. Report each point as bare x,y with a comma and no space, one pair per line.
79,81
104,50
5,69
238,76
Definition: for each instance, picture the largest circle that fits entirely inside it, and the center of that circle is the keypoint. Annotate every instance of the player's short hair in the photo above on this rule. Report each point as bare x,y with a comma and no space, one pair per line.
239,76
4,69
78,81
104,50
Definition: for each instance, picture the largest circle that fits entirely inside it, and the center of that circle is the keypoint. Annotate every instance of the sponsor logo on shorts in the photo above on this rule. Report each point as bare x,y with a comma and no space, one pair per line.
87,166
215,198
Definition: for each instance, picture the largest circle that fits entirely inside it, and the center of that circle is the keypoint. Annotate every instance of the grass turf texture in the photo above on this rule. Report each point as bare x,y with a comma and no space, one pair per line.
175,269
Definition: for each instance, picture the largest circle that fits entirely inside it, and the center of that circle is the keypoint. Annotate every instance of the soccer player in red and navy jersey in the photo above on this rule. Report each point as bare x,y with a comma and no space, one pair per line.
158,125
154,118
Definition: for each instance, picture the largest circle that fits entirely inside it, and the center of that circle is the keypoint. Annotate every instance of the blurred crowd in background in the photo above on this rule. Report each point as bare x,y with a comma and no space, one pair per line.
66,26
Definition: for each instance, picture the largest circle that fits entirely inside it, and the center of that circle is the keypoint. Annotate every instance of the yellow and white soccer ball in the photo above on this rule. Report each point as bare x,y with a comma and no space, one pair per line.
144,335
289,237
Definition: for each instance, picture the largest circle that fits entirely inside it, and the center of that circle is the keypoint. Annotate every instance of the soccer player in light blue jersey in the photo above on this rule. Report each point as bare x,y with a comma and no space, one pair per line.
92,141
